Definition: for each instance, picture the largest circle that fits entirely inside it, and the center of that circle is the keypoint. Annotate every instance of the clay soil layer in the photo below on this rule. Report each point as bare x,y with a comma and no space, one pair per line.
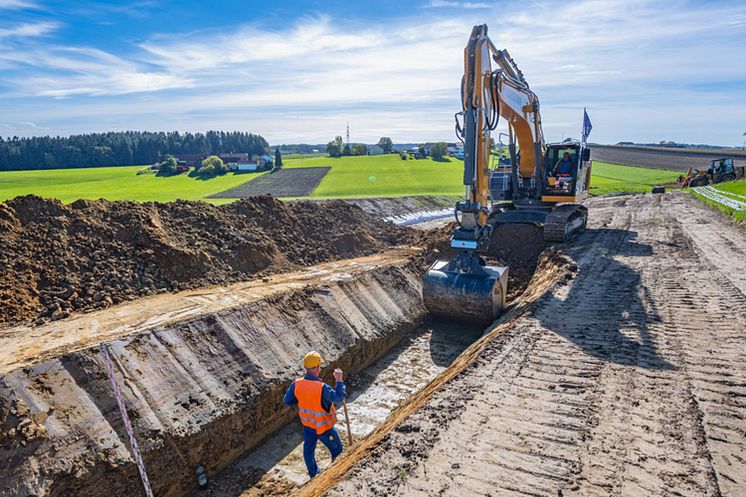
630,380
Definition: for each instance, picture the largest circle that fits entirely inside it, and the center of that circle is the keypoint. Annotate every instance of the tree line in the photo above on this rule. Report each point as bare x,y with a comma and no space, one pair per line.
126,148
338,148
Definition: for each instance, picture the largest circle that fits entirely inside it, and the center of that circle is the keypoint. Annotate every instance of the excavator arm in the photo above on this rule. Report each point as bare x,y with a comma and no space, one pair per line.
487,95
464,286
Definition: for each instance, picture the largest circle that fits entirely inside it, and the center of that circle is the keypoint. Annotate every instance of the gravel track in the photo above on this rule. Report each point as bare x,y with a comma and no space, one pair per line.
629,381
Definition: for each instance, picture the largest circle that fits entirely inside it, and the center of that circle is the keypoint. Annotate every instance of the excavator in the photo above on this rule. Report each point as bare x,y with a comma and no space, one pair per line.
531,190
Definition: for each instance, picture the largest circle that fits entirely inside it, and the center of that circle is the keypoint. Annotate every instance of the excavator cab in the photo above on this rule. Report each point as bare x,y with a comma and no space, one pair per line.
566,185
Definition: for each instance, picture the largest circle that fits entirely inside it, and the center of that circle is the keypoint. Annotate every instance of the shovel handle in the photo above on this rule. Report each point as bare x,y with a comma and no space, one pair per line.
347,421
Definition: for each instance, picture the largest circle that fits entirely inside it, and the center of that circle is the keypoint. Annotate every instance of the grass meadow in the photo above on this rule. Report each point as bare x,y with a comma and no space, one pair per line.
349,177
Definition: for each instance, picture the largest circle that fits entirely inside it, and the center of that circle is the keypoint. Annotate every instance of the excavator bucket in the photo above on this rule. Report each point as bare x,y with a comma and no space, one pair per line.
465,290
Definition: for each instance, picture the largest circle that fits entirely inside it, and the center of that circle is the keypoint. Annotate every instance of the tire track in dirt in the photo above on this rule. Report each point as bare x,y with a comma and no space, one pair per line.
711,332
630,381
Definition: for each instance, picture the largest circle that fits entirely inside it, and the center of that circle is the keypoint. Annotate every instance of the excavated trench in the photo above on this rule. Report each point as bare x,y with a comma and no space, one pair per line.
204,384
276,466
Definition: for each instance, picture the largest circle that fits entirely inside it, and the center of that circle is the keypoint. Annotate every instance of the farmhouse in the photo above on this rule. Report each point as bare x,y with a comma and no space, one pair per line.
235,157
243,166
260,163
265,161
189,159
375,150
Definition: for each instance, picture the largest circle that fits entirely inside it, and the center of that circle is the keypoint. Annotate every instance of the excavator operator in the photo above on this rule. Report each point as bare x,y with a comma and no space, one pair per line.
563,166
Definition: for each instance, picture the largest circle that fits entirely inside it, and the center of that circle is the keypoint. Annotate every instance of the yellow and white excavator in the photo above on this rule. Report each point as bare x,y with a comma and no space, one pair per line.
542,186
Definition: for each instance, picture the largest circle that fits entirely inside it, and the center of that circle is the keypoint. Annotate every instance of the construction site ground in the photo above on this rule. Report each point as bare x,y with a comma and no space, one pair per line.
619,369
629,380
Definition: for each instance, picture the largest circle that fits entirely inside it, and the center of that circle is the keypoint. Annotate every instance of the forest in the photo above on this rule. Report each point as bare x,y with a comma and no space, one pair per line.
126,148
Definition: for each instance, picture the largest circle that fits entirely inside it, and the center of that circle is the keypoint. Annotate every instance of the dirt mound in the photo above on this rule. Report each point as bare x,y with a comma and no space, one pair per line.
91,254
518,246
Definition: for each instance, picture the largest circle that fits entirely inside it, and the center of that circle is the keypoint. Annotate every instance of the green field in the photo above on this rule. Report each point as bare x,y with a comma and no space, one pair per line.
612,178
375,176
735,187
113,183
385,176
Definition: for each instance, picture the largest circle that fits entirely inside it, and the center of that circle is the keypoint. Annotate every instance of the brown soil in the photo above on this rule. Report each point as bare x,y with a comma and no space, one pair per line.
58,258
297,182
629,380
661,158
518,246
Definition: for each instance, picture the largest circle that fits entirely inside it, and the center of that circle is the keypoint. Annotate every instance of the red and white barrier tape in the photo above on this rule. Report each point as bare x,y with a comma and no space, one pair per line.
126,419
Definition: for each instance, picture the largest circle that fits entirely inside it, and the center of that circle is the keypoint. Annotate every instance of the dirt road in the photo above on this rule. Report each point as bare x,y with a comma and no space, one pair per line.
630,380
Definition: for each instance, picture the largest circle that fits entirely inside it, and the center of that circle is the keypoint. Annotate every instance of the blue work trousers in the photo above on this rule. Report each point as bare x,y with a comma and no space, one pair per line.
330,438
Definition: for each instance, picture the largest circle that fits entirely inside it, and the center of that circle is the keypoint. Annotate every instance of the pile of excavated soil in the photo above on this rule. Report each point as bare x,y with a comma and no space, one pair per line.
58,258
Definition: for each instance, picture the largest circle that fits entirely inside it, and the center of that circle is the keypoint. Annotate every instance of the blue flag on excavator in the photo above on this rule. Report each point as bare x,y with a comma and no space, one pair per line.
587,126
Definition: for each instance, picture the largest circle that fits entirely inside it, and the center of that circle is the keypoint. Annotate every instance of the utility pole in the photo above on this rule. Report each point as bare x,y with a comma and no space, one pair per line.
348,133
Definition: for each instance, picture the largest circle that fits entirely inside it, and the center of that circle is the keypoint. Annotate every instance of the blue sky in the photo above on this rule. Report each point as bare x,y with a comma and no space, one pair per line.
299,71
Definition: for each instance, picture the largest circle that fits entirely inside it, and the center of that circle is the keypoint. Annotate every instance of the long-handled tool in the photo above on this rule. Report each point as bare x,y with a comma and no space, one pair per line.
347,420
338,377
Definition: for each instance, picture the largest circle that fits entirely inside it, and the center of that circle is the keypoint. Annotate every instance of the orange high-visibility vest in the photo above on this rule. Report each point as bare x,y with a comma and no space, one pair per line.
312,415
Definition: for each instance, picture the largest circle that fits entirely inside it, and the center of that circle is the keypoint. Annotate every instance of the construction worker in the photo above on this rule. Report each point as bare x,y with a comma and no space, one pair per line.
316,407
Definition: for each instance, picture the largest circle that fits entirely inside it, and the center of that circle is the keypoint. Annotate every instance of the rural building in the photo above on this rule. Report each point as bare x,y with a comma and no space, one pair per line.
265,161
375,150
243,166
235,157
189,159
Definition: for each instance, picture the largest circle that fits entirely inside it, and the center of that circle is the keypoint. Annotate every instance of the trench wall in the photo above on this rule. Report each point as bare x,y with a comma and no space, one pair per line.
198,391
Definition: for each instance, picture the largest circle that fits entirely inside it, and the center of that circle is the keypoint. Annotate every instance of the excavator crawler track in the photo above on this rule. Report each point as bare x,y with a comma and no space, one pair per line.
564,222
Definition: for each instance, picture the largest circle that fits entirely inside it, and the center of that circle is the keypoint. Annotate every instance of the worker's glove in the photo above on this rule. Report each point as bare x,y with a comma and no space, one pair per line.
337,374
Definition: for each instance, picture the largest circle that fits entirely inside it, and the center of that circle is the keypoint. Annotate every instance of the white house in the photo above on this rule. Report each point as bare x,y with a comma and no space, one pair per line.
375,150
243,166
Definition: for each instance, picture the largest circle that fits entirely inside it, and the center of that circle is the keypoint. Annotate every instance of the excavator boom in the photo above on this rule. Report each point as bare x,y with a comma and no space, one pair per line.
464,287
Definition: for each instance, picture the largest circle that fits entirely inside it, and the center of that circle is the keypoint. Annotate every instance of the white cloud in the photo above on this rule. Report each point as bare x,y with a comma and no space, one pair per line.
303,82
16,4
28,30
67,71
